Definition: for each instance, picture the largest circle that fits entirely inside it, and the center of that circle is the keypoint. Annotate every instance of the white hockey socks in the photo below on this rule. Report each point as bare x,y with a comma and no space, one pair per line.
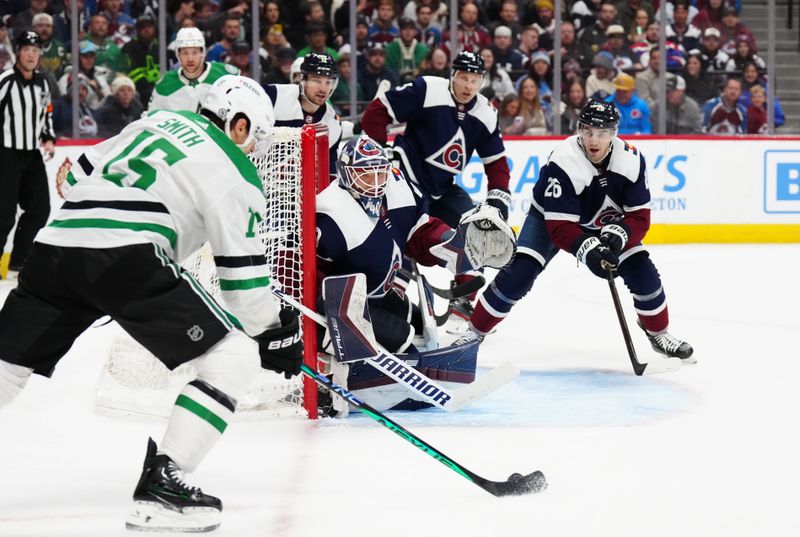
205,406
12,379
200,416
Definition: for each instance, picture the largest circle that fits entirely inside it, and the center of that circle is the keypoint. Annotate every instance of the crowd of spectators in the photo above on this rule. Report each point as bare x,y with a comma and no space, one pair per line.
609,49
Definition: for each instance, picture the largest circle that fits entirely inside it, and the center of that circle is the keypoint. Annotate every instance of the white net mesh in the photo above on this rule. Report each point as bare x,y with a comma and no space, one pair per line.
135,383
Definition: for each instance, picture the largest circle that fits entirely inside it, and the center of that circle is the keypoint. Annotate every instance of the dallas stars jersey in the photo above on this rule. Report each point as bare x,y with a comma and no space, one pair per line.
441,134
176,92
285,99
571,190
175,180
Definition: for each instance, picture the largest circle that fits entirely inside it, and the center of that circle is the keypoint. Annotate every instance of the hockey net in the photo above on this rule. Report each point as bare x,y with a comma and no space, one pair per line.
133,383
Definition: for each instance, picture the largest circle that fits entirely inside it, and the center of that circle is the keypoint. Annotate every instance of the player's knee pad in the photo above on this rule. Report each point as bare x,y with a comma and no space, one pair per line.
638,272
230,365
516,280
12,379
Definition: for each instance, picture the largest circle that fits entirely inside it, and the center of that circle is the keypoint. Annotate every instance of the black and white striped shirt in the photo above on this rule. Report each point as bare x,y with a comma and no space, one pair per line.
26,108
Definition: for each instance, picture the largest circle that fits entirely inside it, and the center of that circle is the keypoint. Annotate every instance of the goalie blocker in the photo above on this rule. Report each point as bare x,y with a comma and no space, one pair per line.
482,239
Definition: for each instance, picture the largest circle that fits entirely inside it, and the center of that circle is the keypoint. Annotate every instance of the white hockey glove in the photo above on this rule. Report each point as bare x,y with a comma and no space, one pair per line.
482,239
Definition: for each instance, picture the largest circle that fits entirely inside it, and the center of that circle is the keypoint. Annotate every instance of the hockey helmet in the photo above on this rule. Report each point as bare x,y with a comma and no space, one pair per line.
190,37
363,170
599,114
233,95
470,62
315,63
294,72
28,38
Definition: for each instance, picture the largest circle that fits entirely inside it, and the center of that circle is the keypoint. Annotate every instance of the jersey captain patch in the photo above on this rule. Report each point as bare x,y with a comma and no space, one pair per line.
451,156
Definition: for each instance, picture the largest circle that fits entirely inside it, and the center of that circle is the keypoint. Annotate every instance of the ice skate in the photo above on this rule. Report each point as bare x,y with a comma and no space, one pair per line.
460,311
670,346
164,502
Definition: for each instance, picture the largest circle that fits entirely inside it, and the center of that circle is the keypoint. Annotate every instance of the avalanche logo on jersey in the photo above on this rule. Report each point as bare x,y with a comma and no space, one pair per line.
451,156
608,213
388,282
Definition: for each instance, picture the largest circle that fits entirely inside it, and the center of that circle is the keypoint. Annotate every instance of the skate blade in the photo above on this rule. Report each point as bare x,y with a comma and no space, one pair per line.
152,516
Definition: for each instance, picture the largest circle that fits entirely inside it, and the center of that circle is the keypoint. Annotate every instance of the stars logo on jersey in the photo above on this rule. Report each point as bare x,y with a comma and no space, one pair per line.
451,156
608,213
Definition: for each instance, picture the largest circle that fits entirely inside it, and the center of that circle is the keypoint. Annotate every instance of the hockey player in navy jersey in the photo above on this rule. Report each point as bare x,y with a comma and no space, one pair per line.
446,121
592,200
305,103
370,216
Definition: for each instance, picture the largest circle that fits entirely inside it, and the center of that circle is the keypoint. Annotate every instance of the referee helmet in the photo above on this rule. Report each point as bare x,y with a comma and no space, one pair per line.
28,38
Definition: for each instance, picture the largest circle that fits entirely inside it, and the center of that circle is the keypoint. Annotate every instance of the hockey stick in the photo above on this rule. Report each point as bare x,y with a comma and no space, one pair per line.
667,364
429,325
515,485
416,382
455,291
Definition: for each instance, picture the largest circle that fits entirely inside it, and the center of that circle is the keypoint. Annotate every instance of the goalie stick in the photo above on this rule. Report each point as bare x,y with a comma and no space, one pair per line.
662,366
515,485
417,382
456,290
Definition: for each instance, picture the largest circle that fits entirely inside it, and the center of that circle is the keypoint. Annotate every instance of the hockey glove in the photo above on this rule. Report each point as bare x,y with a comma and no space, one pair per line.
615,236
597,256
281,348
500,199
482,239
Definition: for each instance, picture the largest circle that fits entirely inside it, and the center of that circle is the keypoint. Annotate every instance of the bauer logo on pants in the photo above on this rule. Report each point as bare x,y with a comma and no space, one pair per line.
782,181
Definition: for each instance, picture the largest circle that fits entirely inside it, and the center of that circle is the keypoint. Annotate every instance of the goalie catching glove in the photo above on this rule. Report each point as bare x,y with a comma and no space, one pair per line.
281,348
482,239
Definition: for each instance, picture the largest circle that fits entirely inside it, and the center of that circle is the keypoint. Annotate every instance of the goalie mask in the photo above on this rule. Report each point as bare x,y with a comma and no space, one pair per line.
363,171
231,97
597,127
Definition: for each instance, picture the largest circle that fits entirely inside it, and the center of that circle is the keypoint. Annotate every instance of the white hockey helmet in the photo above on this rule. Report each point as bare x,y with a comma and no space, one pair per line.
232,95
295,70
190,37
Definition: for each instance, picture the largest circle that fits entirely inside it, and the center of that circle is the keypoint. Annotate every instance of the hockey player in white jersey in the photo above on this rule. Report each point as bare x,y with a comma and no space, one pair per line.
184,89
306,102
136,203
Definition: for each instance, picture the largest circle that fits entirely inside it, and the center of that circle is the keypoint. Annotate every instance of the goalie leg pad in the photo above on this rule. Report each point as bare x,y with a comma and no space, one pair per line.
348,317
12,380
206,405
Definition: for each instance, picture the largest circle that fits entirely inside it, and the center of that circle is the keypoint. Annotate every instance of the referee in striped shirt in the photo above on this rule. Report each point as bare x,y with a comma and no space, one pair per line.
25,122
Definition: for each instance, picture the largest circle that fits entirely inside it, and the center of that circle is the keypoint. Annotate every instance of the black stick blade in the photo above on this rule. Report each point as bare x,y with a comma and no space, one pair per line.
517,485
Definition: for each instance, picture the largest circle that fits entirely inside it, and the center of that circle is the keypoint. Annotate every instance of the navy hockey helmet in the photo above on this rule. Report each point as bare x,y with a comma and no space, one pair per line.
27,38
599,114
363,170
470,62
319,64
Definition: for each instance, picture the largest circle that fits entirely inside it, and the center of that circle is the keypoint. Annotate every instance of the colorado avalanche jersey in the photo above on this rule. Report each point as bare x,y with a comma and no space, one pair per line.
174,180
350,241
442,134
576,197
285,99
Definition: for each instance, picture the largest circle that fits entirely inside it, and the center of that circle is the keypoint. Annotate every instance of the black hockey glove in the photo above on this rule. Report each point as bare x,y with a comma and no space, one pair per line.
615,236
500,199
281,349
597,256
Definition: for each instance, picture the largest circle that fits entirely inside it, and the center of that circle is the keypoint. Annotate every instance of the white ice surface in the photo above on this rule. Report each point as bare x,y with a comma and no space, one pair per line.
710,450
